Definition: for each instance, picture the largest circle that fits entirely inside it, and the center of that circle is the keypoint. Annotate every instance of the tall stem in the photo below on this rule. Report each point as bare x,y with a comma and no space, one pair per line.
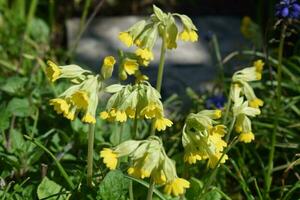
150,190
90,155
216,47
268,175
161,62
160,72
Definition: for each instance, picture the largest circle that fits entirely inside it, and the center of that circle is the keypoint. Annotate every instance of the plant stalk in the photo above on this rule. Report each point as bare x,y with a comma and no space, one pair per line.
268,175
150,190
90,155
161,62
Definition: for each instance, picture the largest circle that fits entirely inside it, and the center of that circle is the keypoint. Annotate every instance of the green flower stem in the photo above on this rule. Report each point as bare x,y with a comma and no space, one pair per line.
150,190
161,61
160,73
90,155
31,14
59,166
268,175
216,48
131,197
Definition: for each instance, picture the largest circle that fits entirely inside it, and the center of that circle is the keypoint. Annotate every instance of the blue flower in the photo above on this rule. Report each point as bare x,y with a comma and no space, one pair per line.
288,9
215,102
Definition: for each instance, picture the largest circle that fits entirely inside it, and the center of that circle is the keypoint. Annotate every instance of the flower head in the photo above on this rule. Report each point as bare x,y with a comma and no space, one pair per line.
107,67
137,101
81,97
202,138
148,160
126,38
110,158
176,187
54,72
288,9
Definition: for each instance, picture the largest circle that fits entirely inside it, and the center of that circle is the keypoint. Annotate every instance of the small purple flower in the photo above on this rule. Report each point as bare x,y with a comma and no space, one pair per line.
288,9
215,102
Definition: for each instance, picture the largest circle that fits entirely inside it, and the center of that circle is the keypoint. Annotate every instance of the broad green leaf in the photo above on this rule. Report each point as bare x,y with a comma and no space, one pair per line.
195,189
48,188
213,194
17,140
39,30
19,107
113,187
14,85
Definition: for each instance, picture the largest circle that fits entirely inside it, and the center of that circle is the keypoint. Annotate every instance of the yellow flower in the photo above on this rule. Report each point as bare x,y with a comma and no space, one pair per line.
188,35
109,61
159,177
104,115
126,38
193,36
256,103
121,116
138,172
60,106
130,113
110,158
52,71
107,67
141,77
152,110
184,35
130,66
88,118
246,137
162,123
71,114
259,65
176,187
80,99
214,159
191,157
245,27
218,114
145,54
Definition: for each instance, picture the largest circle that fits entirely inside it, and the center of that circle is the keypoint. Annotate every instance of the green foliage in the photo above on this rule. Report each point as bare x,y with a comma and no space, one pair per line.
114,186
50,190
25,111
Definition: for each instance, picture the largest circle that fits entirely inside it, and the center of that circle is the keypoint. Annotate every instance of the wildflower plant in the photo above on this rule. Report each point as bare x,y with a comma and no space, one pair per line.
205,136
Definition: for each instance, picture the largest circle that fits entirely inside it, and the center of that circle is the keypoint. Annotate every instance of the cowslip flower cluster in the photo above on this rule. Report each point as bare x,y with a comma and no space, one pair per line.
241,88
144,34
148,160
288,9
130,65
82,95
202,138
140,101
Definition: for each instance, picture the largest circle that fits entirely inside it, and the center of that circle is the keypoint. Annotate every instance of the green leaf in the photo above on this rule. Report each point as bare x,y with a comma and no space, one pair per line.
195,189
14,85
4,118
39,30
48,188
17,140
213,194
19,107
114,186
